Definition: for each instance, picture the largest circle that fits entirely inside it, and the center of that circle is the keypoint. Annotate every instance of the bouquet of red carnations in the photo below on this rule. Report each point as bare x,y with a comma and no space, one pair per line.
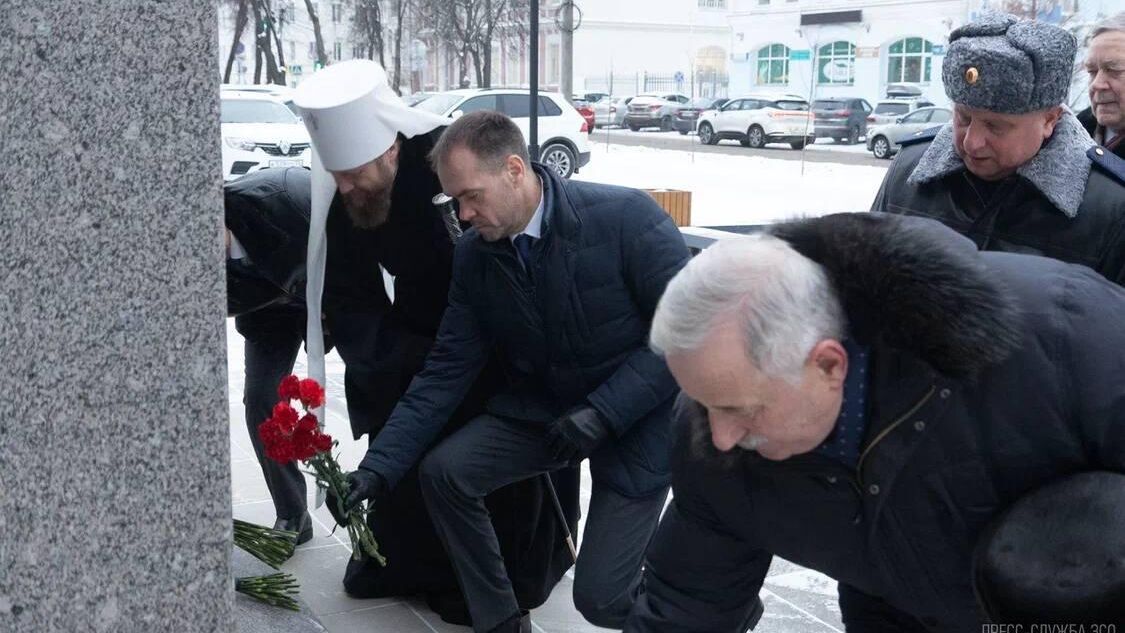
289,436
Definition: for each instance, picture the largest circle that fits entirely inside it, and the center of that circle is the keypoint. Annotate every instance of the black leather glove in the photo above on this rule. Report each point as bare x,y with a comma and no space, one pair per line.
575,435
363,484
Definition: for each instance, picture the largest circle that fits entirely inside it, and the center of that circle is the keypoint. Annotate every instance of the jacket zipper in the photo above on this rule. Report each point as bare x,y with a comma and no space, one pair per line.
887,431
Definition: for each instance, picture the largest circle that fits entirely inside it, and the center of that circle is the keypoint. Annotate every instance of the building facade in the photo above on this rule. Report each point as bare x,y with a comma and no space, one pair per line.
837,48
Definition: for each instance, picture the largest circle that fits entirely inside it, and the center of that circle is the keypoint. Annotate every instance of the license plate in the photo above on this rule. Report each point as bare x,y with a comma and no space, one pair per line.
286,163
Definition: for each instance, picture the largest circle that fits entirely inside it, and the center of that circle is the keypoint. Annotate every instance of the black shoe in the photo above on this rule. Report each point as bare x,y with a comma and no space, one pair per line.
302,525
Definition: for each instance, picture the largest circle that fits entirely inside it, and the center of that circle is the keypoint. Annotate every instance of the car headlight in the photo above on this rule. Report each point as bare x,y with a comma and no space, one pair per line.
243,144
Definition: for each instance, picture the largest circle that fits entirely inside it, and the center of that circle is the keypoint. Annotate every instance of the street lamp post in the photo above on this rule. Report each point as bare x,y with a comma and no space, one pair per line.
533,133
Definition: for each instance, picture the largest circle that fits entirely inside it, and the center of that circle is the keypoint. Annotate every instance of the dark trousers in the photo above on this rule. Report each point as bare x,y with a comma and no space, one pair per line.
491,452
864,613
271,349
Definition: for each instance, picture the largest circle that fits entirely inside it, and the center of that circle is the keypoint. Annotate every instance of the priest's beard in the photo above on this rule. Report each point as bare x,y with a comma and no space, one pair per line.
369,202
368,209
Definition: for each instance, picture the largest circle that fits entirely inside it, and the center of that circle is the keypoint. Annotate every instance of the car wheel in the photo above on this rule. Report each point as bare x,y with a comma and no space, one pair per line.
634,128
880,148
559,158
755,137
666,124
707,134
853,135
797,144
682,132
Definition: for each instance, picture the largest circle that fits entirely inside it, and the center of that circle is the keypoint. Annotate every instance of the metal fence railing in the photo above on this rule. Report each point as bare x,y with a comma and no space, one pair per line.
704,84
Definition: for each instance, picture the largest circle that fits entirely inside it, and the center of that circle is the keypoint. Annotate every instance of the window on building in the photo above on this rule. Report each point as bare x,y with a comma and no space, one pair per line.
337,12
553,62
773,65
763,2
338,51
358,52
712,4
909,60
835,64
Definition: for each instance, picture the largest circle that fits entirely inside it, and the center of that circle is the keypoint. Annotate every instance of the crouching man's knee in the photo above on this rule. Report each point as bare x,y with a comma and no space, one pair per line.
601,607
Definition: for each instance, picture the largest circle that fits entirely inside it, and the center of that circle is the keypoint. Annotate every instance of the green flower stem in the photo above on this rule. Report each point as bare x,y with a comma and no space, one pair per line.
272,547
275,589
329,475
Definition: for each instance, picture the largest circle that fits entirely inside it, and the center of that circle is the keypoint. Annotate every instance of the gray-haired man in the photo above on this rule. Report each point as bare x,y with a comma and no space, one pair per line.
1014,171
862,397
1105,64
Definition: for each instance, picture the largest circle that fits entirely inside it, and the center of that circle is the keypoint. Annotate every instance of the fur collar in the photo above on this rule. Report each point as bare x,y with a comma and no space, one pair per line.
907,284
914,285
1059,171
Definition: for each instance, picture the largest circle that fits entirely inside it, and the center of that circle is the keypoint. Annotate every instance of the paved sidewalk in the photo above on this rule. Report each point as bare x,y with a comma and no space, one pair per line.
797,600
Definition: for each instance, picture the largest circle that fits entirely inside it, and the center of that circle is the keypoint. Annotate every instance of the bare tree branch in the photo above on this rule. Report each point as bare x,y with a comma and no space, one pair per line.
315,19
239,25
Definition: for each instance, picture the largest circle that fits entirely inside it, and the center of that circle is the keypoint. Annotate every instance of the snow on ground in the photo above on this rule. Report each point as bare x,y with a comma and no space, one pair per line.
735,190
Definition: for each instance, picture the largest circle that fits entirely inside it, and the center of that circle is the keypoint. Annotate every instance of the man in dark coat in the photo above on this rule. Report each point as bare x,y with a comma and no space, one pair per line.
1014,171
383,344
561,277
1105,64
861,397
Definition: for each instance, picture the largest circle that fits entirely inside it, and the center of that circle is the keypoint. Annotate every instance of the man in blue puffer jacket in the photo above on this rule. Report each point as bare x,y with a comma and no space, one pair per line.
562,278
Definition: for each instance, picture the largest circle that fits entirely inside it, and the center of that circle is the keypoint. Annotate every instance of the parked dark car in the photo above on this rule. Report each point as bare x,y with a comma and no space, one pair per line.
688,117
843,119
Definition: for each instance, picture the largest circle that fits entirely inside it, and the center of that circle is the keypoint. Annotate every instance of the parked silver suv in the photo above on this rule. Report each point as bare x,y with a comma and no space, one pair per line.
654,110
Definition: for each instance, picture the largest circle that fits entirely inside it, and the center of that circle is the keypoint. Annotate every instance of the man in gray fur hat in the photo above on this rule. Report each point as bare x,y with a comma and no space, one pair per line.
1014,171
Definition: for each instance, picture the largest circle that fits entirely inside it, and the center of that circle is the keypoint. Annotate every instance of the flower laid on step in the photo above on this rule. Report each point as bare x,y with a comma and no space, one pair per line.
289,436
276,589
272,547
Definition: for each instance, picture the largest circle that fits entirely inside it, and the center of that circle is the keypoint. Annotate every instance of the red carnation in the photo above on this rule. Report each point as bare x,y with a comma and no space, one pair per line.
311,393
285,416
290,388
287,437
307,423
323,442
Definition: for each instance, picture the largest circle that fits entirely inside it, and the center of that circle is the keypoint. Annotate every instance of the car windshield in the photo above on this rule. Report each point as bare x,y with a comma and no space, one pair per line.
892,108
438,104
255,111
791,105
706,103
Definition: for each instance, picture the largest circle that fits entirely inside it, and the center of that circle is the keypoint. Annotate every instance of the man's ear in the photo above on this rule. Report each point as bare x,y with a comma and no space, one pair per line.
830,361
1053,116
515,167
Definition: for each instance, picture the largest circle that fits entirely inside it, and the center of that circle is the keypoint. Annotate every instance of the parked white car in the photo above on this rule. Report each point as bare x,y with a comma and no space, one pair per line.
260,132
883,141
563,132
757,119
887,110
281,93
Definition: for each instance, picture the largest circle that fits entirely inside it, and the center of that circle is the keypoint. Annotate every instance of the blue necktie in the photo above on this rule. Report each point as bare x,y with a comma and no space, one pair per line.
523,244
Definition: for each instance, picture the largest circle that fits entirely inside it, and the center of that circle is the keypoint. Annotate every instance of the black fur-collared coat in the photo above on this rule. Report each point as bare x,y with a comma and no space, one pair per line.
991,374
